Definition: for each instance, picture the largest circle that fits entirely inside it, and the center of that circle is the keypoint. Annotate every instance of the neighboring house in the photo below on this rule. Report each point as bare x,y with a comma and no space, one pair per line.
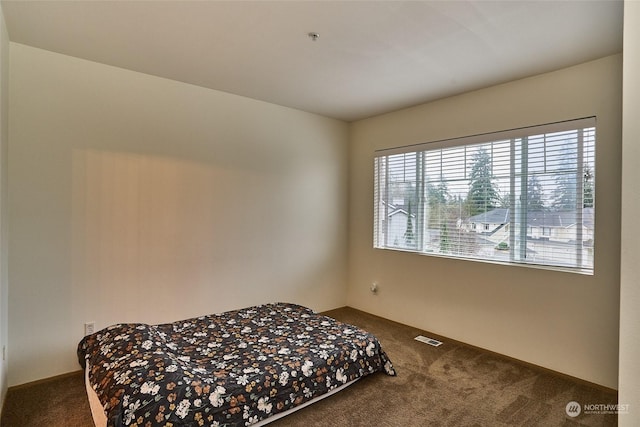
487,222
493,226
560,226
541,225
396,223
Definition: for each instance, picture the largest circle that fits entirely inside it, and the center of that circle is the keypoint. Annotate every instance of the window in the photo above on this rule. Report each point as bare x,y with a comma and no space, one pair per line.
524,196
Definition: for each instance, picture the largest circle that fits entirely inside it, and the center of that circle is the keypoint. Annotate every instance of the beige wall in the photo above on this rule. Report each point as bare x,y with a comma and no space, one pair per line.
139,199
4,231
562,321
630,271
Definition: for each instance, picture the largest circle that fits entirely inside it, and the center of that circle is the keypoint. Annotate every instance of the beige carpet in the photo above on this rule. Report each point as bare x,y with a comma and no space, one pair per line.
58,402
451,385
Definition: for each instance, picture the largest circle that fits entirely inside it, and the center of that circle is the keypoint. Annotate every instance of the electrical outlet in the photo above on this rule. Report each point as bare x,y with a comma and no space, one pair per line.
374,287
89,328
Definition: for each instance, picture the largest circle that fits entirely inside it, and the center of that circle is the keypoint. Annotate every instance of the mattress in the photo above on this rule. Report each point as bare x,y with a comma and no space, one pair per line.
238,368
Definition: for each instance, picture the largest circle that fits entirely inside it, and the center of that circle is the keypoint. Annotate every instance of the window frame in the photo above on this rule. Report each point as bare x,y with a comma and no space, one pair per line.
524,230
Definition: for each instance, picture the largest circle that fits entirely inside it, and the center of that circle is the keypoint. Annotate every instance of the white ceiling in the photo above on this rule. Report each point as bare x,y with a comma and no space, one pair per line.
370,58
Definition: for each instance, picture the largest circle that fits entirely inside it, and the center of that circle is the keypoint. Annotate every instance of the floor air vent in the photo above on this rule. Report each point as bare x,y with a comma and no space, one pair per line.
428,340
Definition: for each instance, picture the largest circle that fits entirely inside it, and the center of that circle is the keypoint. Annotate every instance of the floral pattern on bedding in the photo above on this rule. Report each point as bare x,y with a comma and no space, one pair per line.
230,369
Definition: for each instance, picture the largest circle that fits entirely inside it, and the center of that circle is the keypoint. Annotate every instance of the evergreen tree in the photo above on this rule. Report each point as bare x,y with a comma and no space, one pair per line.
409,237
459,208
535,193
437,198
564,194
587,188
445,244
504,201
483,193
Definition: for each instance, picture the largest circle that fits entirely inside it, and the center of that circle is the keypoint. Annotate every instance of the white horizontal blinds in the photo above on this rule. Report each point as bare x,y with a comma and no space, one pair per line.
522,196
397,201
554,205
378,212
466,198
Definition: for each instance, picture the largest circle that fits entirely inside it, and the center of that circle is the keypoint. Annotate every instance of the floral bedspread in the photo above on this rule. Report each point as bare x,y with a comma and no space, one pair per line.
230,369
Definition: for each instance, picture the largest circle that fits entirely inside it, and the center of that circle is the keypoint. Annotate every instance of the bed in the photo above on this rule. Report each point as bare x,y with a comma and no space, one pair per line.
238,368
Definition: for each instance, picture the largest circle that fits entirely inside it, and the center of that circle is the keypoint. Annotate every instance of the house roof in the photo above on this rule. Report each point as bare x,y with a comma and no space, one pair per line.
396,209
561,219
537,218
495,216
